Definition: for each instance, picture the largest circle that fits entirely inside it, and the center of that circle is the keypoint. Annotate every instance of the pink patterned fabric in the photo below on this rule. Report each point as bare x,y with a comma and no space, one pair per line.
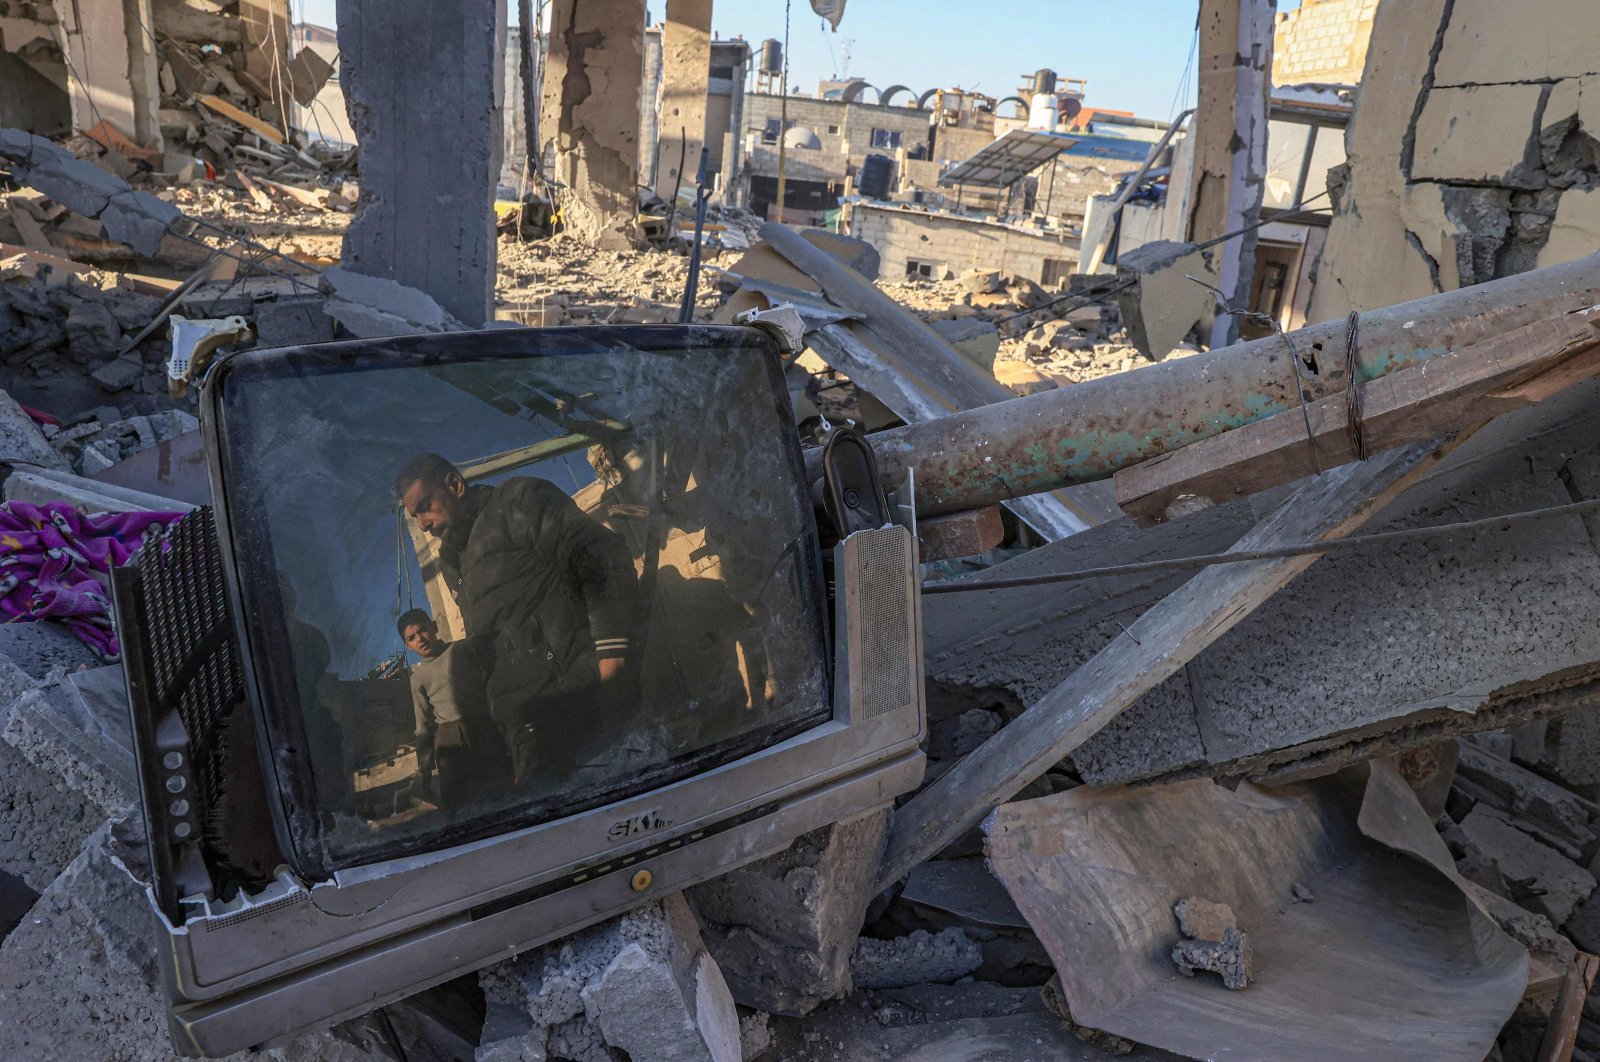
50,555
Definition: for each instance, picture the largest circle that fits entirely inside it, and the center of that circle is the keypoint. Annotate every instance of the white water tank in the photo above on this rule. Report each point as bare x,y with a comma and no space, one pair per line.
1043,112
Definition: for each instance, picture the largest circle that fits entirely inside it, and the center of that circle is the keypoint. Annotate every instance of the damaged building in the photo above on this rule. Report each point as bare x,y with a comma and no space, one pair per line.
1045,584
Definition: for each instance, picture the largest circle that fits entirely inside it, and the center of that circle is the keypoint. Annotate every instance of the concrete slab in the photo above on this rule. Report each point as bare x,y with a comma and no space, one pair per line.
1361,655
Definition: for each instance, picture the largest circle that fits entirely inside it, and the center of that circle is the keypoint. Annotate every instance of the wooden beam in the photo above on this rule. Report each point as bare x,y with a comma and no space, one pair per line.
1467,386
241,117
1160,642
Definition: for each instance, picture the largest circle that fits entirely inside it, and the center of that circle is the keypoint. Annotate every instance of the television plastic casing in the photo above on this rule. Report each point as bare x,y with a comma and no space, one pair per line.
299,955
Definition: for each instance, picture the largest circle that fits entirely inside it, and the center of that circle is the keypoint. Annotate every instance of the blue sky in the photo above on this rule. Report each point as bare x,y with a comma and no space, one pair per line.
1132,52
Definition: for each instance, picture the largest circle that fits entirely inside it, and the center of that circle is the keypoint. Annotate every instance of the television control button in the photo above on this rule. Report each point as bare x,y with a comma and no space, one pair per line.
641,880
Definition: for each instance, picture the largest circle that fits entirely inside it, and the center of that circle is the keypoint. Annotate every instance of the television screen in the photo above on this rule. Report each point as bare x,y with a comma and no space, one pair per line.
486,584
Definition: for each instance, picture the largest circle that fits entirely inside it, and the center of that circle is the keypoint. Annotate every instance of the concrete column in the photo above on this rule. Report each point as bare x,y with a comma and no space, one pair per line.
112,74
423,85
685,77
1230,134
593,81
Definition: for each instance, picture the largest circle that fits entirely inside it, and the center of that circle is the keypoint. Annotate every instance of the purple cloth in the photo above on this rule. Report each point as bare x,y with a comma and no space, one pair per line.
49,555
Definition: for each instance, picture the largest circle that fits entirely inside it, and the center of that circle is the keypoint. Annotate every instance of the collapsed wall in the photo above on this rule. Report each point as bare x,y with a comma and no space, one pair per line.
1474,152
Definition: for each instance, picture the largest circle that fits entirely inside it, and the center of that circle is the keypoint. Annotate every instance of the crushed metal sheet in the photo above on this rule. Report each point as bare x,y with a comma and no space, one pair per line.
1402,966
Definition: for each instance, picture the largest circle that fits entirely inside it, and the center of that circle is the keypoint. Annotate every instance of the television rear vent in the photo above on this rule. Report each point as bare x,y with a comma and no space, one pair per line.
883,588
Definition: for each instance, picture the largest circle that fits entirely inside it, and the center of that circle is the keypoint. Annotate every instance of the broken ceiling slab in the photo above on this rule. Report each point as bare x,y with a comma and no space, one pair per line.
1163,304
1400,966
1506,626
375,308
1480,133
78,185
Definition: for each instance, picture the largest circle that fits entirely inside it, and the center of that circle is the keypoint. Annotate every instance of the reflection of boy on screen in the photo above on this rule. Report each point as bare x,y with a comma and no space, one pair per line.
547,591
455,735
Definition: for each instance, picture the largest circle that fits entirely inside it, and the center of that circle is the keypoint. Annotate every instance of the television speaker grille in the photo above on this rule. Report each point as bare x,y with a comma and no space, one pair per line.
883,590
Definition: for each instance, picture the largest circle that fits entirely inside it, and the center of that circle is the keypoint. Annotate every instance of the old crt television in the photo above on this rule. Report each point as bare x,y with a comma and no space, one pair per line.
490,636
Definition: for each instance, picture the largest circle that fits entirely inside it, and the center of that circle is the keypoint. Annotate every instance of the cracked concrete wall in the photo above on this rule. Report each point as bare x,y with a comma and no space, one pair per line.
1474,152
593,84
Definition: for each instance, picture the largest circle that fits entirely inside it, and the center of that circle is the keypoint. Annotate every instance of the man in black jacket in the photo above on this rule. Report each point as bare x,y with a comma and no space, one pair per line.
548,593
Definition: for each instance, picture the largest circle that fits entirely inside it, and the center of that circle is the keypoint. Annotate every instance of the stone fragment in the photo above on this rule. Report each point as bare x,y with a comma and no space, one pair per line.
1557,885
782,928
980,281
641,983
1201,919
21,441
918,958
1300,894
1229,957
755,1035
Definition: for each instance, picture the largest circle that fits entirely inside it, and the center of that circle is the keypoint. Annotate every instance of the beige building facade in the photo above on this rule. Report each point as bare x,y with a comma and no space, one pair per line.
1322,42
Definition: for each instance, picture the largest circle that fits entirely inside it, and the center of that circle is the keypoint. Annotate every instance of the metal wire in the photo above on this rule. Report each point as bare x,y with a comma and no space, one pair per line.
1336,545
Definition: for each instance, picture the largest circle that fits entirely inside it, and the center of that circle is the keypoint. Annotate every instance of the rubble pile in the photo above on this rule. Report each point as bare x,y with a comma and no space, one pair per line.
1051,347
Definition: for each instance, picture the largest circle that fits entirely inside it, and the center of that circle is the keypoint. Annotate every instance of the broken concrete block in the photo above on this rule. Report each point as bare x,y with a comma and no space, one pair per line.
642,983
119,373
1200,919
980,281
292,323
78,976
373,308
21,441
1021,378
93,331
1560,884
978,341
1553,814
1229,957
919,958
77,730
782,928
140,220
1163,304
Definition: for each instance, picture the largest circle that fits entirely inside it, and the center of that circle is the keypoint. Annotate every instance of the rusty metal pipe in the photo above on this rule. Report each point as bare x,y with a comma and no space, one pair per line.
1088,431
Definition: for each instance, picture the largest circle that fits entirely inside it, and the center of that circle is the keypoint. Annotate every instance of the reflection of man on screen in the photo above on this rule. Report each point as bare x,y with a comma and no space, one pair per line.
547,591
456,738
